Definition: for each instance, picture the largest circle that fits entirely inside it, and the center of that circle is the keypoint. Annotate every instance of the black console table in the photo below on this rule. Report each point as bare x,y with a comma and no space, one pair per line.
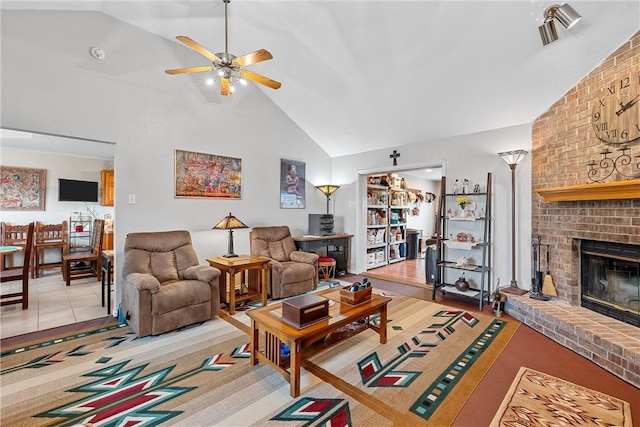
340,242
107,272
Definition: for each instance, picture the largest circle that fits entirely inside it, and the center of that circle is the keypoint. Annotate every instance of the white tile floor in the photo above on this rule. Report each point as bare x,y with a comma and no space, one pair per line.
51,304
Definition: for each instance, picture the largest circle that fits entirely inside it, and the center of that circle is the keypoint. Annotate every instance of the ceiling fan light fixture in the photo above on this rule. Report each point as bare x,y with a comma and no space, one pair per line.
227,66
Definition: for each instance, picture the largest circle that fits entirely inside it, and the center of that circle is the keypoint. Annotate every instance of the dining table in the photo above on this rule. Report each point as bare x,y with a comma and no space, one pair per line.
6,250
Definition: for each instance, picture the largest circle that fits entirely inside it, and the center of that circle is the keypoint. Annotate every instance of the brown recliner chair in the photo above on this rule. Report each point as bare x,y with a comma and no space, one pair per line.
164,287
292,272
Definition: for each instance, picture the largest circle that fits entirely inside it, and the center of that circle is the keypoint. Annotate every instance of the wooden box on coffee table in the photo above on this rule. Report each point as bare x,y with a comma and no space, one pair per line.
305,310
354,298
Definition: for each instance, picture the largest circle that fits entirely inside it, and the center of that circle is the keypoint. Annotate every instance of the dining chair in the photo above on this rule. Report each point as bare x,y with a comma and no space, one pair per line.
79,265
12,275
47,237
13,235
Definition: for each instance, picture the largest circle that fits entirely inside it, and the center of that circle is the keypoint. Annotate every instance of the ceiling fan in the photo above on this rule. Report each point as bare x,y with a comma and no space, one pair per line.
227,66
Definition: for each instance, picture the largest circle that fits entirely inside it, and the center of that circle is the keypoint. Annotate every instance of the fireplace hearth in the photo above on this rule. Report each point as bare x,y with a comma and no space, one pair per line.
610,279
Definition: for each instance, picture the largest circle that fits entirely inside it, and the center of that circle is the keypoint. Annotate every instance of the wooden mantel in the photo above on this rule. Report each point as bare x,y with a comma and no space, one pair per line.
596,191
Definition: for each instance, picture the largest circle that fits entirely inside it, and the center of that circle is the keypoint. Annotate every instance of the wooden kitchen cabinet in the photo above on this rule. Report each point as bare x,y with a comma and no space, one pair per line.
107,241
108,195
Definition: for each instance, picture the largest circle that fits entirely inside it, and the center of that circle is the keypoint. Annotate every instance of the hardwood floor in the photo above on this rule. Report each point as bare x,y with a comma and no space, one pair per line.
410,272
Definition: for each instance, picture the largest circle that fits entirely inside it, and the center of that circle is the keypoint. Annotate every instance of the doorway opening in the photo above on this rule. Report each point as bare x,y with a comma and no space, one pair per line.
51,302
420,178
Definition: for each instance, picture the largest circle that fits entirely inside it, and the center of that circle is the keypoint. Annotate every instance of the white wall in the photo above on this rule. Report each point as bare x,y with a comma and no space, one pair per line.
468,156
51,84
426,219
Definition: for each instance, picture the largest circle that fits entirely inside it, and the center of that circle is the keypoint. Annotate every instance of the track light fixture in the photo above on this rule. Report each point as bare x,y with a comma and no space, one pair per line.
565,14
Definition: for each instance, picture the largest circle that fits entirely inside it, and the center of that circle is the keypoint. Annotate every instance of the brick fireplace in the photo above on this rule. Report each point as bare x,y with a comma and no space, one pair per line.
566,211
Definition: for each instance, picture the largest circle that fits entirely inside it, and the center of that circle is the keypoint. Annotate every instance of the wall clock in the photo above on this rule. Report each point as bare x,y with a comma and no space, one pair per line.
616,111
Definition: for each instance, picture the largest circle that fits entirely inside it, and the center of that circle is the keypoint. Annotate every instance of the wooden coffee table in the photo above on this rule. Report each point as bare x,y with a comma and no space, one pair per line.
276,331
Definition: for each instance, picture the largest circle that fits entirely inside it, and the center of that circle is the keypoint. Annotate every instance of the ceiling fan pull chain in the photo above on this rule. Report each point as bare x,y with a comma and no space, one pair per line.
226,32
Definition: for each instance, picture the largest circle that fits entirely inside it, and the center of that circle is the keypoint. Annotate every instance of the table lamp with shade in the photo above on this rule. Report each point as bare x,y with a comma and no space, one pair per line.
230,223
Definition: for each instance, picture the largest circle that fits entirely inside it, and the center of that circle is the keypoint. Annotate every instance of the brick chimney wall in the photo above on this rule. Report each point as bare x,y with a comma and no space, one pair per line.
563,142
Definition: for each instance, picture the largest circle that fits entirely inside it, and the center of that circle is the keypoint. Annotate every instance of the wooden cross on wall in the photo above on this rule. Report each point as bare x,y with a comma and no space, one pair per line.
394,156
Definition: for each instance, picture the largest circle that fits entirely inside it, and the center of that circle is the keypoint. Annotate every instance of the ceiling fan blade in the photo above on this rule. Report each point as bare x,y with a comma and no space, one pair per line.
198,48
255,77
224,86
189,70
252,58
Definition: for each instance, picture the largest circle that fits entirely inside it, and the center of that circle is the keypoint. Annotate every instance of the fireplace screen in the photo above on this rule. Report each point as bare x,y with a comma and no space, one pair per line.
610,279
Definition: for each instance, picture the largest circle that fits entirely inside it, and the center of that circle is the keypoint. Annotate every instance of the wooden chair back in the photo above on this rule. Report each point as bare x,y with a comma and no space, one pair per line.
51,233
96,237
23,274
48,236
93,258
13,235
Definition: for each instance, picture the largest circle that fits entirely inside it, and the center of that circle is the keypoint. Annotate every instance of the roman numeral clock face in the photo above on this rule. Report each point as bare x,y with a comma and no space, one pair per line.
616,111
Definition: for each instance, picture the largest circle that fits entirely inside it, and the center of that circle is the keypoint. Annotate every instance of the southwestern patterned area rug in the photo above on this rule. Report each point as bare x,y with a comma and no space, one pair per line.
201,376
539,399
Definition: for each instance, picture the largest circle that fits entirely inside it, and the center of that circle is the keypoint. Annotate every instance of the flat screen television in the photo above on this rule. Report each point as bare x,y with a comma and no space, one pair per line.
70,190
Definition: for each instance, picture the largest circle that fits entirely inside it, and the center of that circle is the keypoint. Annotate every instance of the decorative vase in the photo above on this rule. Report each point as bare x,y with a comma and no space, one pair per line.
461,284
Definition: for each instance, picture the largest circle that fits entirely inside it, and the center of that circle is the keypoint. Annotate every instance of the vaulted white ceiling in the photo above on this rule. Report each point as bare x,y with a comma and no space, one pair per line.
364,75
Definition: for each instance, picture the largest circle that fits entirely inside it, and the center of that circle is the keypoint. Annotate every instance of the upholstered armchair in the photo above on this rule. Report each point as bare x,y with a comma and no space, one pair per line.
292,271
164,286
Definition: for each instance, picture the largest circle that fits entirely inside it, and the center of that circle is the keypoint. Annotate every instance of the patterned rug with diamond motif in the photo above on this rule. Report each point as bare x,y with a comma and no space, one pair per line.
539,399
201,375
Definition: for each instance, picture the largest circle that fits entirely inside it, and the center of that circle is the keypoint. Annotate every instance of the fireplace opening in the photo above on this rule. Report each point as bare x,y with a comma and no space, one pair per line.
610,279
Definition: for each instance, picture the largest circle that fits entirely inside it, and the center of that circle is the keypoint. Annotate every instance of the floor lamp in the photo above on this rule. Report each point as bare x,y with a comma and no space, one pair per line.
328,190
512,158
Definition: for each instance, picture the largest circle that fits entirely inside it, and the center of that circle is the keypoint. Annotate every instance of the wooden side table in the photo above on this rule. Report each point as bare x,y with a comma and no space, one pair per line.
240,264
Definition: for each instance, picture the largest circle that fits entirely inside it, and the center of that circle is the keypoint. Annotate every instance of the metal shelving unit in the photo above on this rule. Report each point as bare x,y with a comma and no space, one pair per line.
460,236
80,233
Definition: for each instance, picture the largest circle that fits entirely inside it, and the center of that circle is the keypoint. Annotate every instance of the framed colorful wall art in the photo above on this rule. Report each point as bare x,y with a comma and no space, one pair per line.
22,189
207,175
292,184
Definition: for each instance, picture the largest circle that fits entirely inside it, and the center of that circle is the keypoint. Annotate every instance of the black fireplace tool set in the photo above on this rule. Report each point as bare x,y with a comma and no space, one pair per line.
537,279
